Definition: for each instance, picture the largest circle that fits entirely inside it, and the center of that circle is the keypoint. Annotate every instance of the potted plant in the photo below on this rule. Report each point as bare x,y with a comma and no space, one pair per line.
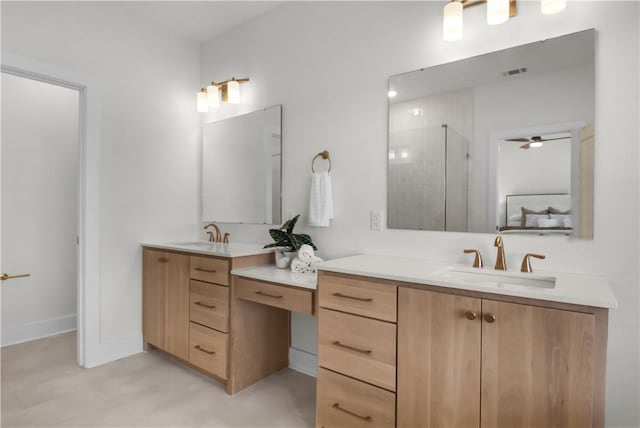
286,242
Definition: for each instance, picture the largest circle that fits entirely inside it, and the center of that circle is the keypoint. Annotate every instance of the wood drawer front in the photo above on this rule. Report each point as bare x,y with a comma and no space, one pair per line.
208,350
209,305
345,402
291,299
361,296
209,269
359,347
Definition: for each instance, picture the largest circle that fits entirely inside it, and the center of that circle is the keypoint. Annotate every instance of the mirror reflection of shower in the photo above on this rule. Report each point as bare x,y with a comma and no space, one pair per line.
428,177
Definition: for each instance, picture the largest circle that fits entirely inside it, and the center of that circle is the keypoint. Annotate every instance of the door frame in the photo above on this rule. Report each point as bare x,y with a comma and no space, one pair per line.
88,309
496,137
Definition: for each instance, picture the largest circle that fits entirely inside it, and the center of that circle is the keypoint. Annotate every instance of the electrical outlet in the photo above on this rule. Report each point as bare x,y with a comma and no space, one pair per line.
376,220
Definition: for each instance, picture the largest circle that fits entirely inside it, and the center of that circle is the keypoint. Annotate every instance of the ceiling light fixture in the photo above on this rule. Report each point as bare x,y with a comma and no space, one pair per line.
498,11
228,91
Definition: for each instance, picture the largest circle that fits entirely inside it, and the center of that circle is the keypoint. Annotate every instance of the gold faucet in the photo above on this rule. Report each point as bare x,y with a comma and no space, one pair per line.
225,239
477,261
526,262
212,238
501,264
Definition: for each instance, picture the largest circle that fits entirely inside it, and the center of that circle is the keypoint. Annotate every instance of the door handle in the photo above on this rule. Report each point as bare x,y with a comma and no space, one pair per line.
6,276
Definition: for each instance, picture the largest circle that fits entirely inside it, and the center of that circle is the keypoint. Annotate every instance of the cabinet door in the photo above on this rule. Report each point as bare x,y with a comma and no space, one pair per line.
153,298
537,366
176,327
438,360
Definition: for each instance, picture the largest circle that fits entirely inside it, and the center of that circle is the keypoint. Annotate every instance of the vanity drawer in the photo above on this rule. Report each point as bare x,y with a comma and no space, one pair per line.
345,402
208,350
291,299
358,295
209,269
209,305
359,347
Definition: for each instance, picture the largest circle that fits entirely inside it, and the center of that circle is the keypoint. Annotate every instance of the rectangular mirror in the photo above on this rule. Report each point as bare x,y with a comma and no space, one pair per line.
242,168
501,142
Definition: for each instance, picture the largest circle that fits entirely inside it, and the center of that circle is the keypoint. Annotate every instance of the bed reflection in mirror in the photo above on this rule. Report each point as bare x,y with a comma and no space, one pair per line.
474,144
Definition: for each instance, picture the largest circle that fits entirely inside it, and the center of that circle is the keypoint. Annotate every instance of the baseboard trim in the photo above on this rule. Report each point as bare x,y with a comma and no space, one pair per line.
114,350
303,362
12,335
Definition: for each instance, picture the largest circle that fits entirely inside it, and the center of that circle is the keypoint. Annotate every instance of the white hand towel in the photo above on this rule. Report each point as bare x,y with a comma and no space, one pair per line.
321,200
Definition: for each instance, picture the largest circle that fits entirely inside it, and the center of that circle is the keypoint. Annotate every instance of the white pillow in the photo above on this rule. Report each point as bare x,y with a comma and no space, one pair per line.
564,219
531,220
514,220
549,222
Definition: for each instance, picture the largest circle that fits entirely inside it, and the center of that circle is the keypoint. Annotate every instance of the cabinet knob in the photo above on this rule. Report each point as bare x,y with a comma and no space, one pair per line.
470,315
163,260
489,317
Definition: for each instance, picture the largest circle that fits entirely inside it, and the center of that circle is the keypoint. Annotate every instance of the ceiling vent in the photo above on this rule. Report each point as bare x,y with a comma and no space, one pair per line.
514,72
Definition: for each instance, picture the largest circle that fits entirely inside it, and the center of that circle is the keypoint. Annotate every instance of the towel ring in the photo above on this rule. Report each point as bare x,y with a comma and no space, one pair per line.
324,155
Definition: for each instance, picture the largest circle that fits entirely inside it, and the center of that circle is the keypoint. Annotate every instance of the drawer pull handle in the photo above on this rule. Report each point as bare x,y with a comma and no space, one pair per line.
351,348
200,348
163,260
268,295
349,412
204,305
205,270
361,299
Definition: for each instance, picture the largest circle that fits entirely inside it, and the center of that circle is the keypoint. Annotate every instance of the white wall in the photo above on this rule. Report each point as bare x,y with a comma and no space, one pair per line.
328,65
39,208
150,144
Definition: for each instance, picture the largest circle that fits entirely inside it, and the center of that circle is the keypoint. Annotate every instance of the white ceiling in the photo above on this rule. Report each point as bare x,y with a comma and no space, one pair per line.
197,21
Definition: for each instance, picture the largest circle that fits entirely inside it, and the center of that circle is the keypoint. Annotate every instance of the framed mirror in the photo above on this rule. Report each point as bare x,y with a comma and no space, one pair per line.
501,142
242,168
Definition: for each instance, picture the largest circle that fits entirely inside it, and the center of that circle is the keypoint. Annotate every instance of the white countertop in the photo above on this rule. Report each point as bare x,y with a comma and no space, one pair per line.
573,288
232,249
271,273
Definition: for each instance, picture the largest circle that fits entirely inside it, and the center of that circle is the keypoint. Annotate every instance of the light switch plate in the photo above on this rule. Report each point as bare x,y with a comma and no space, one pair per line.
376,220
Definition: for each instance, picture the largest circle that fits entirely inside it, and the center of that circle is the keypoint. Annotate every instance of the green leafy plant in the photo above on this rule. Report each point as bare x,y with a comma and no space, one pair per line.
284,236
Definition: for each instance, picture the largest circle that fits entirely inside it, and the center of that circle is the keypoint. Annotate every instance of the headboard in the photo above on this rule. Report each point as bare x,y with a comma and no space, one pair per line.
514,203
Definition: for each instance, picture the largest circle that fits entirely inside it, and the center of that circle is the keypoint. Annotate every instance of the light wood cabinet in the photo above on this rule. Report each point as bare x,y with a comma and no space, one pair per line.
345,402
438,359
538,367
166,297
359,347
466,361
463,358
230,328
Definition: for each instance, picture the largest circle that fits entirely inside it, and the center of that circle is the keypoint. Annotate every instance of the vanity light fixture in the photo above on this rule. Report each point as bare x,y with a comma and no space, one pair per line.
202,101
498,11
549,7
228,91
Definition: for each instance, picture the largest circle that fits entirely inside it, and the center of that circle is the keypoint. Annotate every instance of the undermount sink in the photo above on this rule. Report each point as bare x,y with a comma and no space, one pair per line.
199,244
492,278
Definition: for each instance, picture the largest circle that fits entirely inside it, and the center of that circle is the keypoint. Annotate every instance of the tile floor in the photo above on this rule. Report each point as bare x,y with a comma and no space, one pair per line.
42,386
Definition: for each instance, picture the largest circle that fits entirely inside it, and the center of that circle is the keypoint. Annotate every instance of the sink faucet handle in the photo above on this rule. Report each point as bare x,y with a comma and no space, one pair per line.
225,239
477,261
526,261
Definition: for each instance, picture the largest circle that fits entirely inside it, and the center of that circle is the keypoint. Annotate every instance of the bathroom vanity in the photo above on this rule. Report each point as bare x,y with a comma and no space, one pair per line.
412,343
222,308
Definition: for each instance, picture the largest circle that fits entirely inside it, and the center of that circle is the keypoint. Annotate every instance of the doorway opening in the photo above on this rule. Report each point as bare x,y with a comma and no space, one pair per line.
89,353
39,200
